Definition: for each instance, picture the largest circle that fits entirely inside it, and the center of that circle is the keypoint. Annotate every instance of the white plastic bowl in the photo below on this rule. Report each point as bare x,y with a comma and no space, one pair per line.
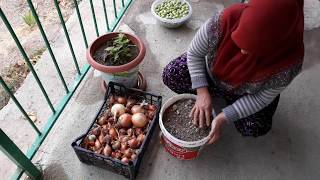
170,23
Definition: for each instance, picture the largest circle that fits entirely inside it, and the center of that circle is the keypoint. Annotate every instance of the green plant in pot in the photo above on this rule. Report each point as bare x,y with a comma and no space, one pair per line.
117,56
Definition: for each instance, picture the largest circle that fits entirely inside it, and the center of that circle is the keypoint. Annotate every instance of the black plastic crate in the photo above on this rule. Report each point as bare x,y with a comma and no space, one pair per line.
129,170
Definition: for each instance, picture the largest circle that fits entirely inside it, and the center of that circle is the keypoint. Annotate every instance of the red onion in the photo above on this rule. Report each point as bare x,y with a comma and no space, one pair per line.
102,120
133,143
107,150
122,100
125,160
140,138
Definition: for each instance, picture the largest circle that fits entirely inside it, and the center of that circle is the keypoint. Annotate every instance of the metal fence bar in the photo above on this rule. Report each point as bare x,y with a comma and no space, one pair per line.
121,13
115,9
94,18
80,22
62,104
7,89
67,36
52,120
122,1
25,56
47,43
17,156
105,15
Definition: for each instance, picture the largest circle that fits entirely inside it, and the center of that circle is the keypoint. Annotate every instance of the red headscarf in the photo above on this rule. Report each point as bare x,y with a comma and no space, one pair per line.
270,30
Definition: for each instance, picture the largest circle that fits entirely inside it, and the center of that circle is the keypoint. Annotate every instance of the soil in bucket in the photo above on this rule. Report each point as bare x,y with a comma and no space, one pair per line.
118,51
178,123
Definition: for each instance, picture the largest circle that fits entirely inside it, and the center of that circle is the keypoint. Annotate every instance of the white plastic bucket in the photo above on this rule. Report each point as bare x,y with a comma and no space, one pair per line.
185,150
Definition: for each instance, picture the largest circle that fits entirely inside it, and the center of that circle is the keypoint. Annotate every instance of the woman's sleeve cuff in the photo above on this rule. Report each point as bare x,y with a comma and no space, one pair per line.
199,81
231,113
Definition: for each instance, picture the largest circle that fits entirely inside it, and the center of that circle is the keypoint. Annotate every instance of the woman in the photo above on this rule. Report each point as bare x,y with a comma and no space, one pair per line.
247,54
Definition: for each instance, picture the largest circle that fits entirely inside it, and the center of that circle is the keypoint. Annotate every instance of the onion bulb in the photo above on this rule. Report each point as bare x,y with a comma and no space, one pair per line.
92,138
139,120
124,139
113,154
102,120
133,156
122,131
118,155
125,160
118,109
113,133
97,144
107,150
127,153
130,132
133,143
122,100
116,145
140,138
152,107
123,147
150,114
106,139
112,99
137,131
137,109
125,120
130,103
96,131
101,137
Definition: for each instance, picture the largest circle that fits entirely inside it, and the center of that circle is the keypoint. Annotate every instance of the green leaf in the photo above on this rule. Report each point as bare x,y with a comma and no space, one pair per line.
110,48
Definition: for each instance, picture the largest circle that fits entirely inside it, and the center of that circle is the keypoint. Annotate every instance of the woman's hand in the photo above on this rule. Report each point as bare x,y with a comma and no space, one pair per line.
202,110
216,125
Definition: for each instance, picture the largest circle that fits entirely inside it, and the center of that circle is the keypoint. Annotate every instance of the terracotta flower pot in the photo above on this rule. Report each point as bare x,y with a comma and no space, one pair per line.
126,74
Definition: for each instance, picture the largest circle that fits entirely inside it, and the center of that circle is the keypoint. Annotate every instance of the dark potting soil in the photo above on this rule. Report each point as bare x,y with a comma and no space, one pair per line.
100,56
179,124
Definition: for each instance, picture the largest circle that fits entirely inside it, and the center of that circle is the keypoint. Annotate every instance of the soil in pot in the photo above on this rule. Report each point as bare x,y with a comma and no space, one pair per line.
120,51
178,123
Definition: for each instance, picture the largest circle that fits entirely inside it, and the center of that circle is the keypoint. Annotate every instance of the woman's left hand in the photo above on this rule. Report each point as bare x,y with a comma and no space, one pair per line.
216,125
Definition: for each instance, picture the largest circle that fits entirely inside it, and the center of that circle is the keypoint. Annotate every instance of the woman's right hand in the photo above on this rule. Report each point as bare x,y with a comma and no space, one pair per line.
202,110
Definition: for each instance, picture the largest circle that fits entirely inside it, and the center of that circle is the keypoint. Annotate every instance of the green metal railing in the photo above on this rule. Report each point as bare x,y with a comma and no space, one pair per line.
23,161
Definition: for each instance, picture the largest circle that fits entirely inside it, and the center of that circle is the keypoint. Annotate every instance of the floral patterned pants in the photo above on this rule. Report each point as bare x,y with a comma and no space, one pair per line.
176,76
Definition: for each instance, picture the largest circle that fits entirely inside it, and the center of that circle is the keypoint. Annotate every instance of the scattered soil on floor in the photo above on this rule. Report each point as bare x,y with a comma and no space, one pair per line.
179,124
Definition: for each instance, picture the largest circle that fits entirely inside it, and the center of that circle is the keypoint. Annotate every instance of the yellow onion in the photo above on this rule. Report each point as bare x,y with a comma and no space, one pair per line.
139,120
125,120
118,109
137,109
